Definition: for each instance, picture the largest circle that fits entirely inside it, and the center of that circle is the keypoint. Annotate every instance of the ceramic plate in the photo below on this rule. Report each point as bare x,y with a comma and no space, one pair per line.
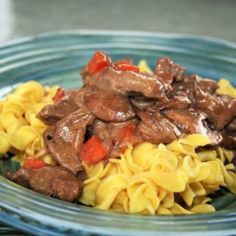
57,59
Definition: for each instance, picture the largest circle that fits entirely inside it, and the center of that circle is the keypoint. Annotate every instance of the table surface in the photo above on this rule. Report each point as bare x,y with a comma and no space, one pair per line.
214,18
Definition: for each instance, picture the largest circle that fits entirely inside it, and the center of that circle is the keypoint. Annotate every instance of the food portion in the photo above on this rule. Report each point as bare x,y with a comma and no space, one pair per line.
131,140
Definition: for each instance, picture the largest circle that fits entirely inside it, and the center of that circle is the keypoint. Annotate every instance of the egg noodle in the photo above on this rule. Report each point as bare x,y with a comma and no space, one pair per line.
160,179
20,130
147,179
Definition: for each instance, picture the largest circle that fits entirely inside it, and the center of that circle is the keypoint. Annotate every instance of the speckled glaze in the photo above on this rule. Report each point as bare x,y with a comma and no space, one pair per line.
56,59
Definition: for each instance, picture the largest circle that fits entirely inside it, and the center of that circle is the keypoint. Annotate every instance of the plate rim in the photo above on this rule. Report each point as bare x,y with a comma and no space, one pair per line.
210,39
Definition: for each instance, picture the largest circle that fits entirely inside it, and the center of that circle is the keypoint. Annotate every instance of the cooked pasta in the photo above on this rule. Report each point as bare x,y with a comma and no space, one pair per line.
20,130
159,179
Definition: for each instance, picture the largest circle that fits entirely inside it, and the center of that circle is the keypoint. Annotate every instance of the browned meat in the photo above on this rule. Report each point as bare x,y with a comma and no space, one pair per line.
168,70
189,122
52,113
177,101
207,85
73,100
186,87
156,128
109,106
220,110
231,127
51,180
123,82
193,82
63,141
229,141
192,122
102,130
112,135
141,102
78,95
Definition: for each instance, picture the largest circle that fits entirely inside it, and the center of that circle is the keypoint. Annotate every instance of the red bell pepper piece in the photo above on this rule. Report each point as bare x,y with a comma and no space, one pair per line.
93,150
98,62
128,67
32,163
59,95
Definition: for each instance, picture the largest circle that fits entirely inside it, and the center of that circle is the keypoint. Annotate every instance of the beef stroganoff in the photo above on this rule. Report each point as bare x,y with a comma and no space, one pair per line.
131,140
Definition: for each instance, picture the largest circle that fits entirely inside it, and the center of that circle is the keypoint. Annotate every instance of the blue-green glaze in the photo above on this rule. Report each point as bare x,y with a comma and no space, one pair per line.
56,59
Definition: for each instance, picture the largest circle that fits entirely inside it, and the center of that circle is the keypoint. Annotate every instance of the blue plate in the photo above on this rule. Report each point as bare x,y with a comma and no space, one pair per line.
57,59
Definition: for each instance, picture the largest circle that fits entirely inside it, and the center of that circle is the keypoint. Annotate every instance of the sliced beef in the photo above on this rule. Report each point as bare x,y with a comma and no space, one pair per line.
123,82
189,122
156,128
168,70
229,141
78,95
141,103
73,100
102,130
52,113
116,136
193,82
192,122
220,110
63,141
207,85
109,106
186,87
178,101
231,127
50,180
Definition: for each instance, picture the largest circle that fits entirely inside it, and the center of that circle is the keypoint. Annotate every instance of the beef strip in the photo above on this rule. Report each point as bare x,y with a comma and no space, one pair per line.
189,122
229,135
229,141
109,106
193,82
111,135
50,180
192,122
123,82
168,70
73,100
63,141
141,103
220,109
156,128
52,113
207,85
78,95
178,101
231,127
